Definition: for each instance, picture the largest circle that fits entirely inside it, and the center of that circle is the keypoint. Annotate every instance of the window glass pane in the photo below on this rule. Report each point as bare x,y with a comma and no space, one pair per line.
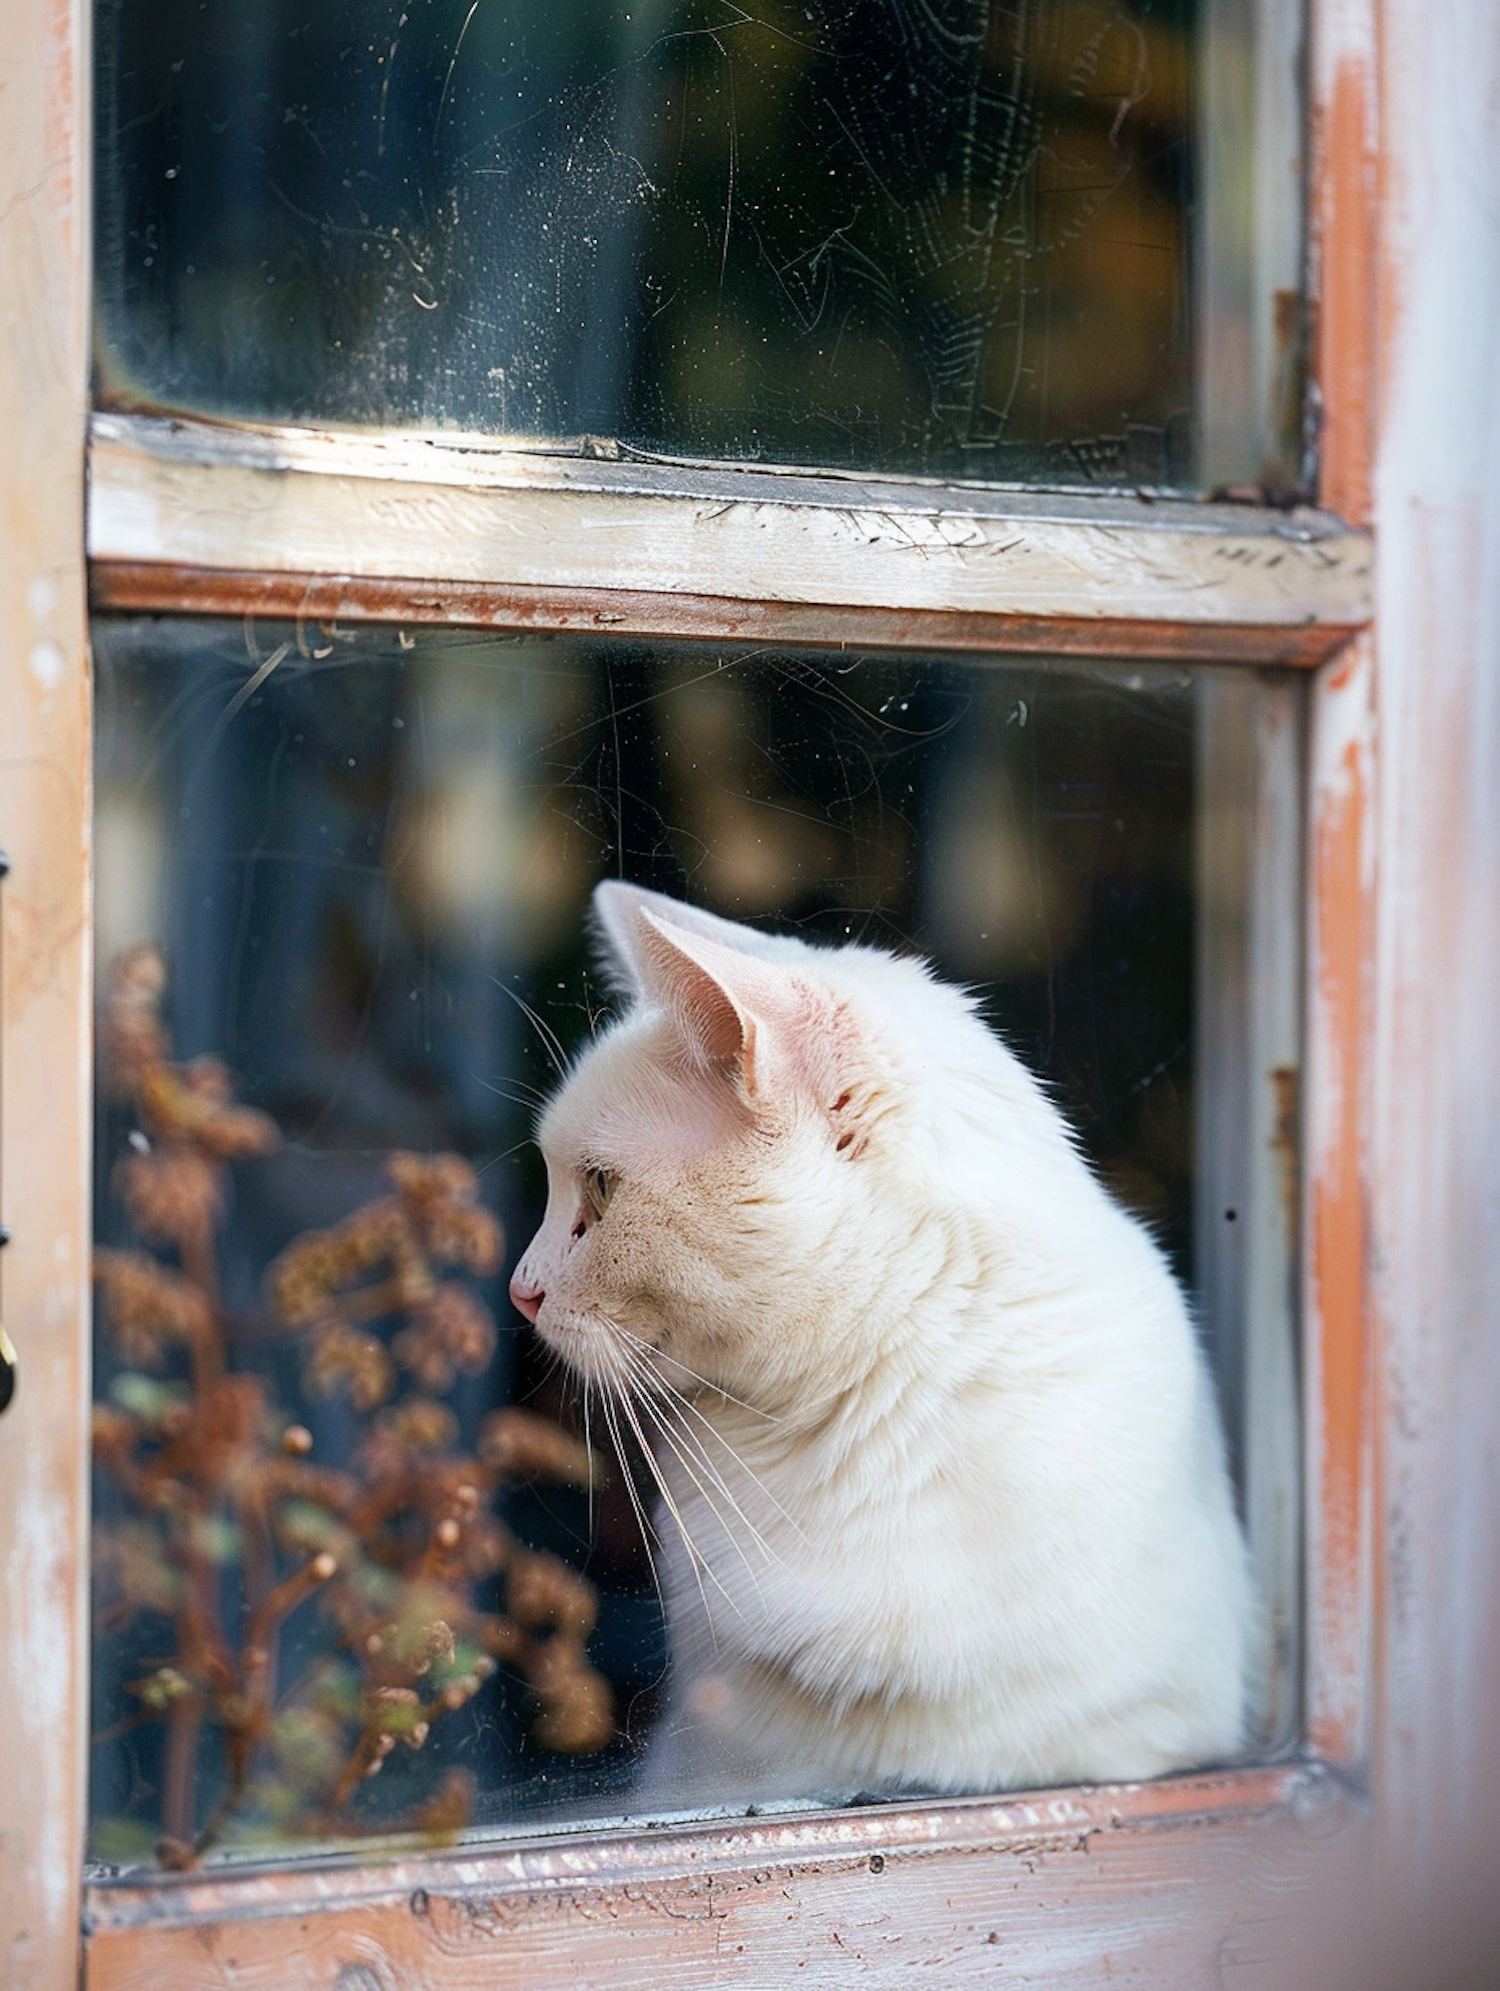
343,886
961,240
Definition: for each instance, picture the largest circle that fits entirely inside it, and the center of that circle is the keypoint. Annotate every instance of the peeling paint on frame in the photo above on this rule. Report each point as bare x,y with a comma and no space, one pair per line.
1335,1309
44,1085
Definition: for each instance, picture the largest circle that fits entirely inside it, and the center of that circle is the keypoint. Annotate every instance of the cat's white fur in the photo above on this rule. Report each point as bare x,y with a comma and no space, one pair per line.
925,1403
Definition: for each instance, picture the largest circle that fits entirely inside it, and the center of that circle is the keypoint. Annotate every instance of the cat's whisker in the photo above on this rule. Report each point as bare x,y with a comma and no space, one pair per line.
690,1464
606,1405
588,1446
517,1092
651,1382
625,1407
483,1168
551,1042
688,1448
611,1403
677,1363
684,1407
696,1556
670,1442
634,1384
553,1365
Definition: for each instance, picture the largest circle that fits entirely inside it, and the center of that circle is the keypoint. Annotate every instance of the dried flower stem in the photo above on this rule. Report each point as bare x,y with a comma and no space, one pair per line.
184,1721
366,1757
392,1548
261,1625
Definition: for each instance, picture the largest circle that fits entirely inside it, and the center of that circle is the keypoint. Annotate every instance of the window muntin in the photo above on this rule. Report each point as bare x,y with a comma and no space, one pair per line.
364,855
981,242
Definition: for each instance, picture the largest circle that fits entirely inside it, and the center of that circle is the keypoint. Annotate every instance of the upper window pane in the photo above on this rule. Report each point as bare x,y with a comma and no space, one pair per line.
961,239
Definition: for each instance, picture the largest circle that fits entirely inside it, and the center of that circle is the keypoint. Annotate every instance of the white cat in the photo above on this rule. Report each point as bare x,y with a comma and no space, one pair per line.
950,1502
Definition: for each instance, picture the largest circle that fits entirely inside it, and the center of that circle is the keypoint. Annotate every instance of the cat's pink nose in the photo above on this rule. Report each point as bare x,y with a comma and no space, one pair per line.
527,1298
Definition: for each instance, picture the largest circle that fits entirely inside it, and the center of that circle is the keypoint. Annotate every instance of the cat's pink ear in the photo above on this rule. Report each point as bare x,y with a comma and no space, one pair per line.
731,1007
617,907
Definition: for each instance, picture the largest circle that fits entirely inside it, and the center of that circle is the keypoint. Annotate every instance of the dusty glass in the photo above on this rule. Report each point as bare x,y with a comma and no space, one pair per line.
961,240
356,1572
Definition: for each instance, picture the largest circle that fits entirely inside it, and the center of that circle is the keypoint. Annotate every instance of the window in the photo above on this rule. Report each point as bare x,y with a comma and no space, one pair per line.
326,531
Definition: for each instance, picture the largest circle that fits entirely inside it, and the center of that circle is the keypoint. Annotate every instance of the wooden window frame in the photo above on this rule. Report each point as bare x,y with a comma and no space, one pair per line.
1157,1878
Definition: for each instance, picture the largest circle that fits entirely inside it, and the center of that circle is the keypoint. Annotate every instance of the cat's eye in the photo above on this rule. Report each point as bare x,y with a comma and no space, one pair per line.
599,1186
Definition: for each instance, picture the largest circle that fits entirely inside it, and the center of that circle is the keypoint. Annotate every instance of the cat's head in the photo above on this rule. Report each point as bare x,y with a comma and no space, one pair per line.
719,1161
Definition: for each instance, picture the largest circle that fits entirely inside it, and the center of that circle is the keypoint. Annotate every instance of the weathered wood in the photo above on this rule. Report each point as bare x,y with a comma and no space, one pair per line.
1339,1357
1433,1045
1033,1890
500,529
44,995
1248,1080
1345,226
156,586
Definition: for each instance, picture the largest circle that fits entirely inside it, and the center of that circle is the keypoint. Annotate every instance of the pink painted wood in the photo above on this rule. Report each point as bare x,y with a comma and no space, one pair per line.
44,1002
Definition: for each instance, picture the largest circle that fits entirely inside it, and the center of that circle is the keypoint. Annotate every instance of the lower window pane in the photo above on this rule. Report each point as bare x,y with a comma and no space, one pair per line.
370,1559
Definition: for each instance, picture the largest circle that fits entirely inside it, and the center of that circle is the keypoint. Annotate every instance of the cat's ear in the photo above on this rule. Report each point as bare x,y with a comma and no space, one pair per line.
616,908
733,1009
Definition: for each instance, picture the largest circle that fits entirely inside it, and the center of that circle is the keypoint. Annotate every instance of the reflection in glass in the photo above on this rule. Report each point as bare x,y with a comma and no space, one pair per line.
952,240
354,868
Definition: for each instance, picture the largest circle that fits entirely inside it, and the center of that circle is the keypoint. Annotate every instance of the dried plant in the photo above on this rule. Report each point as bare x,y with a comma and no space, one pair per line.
232,1525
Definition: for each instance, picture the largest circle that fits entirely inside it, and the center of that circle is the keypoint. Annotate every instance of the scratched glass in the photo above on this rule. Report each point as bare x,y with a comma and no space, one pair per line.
342,886
957,238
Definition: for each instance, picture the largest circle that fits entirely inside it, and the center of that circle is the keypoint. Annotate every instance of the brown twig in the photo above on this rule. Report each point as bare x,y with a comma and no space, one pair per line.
214,1475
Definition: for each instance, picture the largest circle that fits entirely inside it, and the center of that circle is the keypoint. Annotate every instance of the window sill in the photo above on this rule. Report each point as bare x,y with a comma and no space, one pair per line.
964,1888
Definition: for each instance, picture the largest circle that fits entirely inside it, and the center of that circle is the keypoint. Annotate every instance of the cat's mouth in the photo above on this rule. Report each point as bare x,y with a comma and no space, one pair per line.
597,1349
582,1340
